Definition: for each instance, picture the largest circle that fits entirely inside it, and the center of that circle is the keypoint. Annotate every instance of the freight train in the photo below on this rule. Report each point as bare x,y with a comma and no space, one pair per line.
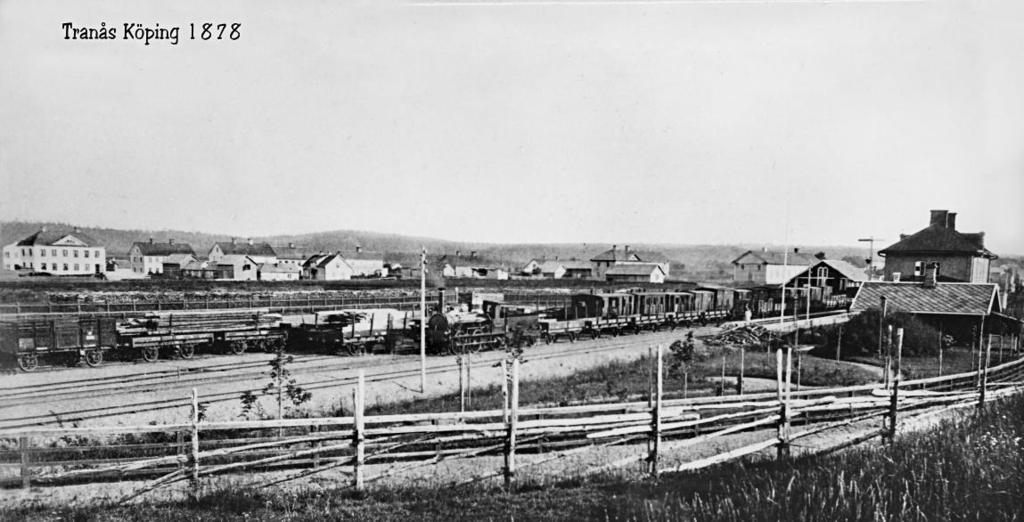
69,340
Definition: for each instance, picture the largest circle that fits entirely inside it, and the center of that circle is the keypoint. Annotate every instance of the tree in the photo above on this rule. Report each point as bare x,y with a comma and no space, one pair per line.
282,385
681,357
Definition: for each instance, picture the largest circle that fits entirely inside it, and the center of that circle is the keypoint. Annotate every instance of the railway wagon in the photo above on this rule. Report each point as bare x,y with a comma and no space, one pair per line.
182,334
498,325
56,340
346,331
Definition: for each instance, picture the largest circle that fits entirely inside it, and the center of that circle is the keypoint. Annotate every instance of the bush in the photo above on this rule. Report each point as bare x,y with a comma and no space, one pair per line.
860,335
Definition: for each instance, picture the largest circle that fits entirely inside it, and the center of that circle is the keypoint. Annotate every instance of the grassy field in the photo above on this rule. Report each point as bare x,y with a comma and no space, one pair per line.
629,380
970,468
956,360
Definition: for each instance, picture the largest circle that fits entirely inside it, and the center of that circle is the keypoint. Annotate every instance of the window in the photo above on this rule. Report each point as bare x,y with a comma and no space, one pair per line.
918,268
76,252
86,253
76,267
822,275
65,267
43,266
53,252
97,253
896,277
64,252
42,252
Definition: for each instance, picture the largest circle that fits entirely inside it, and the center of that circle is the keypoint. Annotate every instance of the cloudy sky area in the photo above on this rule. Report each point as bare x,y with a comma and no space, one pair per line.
619,122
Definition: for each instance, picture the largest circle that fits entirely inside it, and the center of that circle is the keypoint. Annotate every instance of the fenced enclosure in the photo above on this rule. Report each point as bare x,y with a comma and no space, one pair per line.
278,451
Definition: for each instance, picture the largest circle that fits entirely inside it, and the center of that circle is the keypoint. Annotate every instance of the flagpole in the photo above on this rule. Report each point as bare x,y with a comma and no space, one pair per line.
423,321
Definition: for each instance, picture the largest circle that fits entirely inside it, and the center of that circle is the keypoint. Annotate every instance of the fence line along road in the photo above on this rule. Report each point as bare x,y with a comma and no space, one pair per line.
300,448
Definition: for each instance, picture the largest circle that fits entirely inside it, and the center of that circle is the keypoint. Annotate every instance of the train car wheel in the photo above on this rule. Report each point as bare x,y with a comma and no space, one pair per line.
186,351
237,347
28,362
151,353
94,357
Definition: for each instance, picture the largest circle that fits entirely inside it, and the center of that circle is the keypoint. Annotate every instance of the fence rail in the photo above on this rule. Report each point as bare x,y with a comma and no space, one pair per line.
172,453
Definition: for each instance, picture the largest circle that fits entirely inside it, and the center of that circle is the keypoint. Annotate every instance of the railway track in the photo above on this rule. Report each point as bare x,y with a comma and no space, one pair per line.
168,380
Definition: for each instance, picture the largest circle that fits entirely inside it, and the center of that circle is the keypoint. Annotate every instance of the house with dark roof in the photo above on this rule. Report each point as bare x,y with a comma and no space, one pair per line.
609,258
259,252
754,268
964,310
291,254
635,272
959,256
279,271
147,257
833,276
58,252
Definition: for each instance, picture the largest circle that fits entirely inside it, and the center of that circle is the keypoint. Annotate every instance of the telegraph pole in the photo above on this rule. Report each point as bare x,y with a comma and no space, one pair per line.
871,252
423,321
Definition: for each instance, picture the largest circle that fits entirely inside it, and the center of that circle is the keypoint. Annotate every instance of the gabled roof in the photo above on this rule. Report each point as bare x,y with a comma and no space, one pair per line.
244,248
637,269
231,259
162,249
938,239
363,255
577,264
650,256
614,254
49,237
179,259
775,258
944,298
294,252
848,270
328,259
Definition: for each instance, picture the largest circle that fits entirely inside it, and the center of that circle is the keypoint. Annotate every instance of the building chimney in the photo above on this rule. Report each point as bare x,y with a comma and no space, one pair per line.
458,253
249,240
939,218
796,250
931,275
951,221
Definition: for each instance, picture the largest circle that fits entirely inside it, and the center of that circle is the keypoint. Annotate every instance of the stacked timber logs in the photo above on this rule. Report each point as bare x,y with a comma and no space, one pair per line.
750,334
200,321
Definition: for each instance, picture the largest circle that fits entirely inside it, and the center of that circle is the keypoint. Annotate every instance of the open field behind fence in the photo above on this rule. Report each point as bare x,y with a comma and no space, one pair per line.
300,448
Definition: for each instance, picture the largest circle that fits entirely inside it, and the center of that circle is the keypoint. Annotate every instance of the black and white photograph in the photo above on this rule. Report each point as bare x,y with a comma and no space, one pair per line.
511,260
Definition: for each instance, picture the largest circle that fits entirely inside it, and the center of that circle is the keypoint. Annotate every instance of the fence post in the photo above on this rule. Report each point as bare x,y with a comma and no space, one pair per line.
940,350
513,421
739,381
462,383
195,445
504,391
895,386
358,435
783,448
888,356
656,412
984,374
24,444
469,379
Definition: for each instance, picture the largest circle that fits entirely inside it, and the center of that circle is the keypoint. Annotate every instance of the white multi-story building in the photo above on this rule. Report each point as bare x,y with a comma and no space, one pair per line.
57,252
258,252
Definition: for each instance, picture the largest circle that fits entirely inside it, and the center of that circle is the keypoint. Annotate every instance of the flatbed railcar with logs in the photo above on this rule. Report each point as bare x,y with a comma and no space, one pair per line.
182,334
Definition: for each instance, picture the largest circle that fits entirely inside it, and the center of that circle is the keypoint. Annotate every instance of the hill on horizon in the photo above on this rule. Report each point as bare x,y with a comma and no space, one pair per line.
706,261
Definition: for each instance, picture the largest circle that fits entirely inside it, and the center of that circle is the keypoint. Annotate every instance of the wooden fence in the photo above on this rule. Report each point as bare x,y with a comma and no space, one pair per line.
300,448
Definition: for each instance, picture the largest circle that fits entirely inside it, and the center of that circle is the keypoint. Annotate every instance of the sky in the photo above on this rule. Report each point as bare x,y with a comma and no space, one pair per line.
779,122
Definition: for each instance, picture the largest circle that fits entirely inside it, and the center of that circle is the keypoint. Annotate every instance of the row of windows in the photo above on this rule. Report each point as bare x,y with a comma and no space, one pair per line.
66,267
27,252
